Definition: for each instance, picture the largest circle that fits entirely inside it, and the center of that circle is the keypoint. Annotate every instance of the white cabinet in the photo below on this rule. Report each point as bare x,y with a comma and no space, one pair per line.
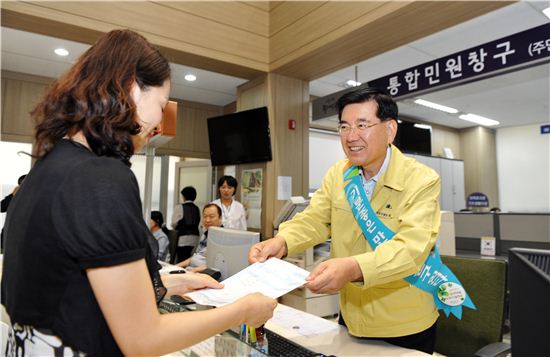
452,180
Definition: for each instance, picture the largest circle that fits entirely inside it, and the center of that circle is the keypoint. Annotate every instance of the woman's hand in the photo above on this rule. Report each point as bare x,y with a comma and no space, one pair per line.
256,308
181,284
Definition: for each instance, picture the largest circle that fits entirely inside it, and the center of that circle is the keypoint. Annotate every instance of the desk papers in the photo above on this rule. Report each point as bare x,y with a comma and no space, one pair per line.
301,322
272,278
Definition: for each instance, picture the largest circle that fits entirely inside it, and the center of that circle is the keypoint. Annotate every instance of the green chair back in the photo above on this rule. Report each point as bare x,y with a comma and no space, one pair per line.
485,282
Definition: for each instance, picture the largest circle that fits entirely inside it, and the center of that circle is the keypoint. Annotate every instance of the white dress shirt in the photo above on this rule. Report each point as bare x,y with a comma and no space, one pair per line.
233,216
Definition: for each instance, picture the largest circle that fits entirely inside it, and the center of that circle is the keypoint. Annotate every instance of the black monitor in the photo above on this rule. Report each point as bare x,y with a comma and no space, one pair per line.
414,138
530,301
240,137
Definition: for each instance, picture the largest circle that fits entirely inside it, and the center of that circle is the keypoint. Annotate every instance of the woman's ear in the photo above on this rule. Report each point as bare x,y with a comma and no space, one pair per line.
135,92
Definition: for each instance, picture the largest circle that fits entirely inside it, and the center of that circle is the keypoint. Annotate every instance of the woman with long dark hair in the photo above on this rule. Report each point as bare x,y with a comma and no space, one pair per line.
80,275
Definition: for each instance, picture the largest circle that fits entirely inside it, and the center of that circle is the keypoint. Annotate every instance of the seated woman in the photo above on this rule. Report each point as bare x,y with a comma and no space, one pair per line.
157,227
211,217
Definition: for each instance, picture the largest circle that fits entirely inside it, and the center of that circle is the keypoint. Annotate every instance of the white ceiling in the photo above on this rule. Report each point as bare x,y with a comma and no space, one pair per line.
31,53
517,98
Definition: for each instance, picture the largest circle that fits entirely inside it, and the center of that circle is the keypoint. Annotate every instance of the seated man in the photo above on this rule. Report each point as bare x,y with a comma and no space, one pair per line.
211,217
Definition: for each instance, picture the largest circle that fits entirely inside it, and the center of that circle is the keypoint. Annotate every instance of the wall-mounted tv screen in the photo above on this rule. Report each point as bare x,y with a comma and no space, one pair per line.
240,137
414,138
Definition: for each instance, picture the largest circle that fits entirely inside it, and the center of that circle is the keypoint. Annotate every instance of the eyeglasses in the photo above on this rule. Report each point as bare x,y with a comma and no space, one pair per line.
362,127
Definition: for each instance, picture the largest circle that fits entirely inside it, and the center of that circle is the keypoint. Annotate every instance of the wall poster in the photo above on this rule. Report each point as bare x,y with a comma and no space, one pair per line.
251,196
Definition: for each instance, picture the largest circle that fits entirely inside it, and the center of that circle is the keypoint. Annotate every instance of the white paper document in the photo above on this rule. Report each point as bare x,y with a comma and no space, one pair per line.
272,278
301,322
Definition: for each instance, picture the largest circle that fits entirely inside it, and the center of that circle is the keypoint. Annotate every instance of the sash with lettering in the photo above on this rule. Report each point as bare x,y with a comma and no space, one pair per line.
434,277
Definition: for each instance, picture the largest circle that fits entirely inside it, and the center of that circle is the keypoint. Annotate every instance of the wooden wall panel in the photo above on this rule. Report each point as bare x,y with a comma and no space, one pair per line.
191,132
480,169
2,101
445,137
290,101
286,98
230,108
20,93
253,94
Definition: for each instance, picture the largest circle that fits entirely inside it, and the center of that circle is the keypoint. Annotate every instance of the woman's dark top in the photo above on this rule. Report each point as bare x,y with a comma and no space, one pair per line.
76,211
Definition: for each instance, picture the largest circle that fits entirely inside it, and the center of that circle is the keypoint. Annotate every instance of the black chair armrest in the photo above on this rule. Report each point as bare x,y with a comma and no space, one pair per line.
497,349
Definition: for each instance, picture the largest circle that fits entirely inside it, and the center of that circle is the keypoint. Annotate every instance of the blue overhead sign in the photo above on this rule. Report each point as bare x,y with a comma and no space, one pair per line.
508,53
545,129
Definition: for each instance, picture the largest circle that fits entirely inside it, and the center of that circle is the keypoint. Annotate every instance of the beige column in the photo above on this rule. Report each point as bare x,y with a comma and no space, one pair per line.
480,162
286,99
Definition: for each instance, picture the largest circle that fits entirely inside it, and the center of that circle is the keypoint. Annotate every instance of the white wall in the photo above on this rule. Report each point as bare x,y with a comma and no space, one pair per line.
324,150
138,167
523,167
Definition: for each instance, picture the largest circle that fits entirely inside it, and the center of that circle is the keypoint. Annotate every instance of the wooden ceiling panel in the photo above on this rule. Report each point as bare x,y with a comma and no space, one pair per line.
380,34
288,13
231,13
311,39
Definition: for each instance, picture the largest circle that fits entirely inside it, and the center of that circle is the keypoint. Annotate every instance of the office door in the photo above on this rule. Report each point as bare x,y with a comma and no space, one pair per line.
196,173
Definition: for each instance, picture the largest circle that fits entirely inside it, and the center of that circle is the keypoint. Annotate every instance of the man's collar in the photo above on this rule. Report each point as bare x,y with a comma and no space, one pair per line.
382,168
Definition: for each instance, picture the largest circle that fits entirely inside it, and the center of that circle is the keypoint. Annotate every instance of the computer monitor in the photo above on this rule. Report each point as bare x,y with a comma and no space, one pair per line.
529,301
227,249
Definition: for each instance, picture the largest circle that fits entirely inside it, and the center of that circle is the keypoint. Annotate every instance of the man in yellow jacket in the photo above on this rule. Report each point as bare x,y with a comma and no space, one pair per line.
375,301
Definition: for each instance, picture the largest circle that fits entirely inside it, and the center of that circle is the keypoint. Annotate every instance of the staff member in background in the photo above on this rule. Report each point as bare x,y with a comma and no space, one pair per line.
80,276
375,301
211,217
233,213
185,220
160,233
5,204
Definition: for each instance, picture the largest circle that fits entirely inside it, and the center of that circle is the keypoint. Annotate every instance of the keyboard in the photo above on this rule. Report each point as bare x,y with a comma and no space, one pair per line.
278,346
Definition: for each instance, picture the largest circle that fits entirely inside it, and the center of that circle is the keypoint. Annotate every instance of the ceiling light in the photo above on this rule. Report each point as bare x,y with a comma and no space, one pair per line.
436,106
479,119
423,126
190,77
352,83
546,12
61,52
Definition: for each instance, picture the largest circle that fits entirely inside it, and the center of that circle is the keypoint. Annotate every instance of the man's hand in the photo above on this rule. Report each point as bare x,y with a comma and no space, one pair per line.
331,275
274,247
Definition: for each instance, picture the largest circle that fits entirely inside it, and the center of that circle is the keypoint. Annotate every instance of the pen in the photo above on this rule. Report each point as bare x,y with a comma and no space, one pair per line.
242,332
252,335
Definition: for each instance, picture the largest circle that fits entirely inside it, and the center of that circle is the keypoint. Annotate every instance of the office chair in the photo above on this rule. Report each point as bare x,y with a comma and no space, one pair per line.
479,333
173,239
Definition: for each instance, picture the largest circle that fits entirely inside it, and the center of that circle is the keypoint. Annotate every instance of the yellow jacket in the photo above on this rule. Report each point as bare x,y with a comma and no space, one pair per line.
406,199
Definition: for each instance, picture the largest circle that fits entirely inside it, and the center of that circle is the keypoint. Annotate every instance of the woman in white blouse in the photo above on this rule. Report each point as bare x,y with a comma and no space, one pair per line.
233,213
